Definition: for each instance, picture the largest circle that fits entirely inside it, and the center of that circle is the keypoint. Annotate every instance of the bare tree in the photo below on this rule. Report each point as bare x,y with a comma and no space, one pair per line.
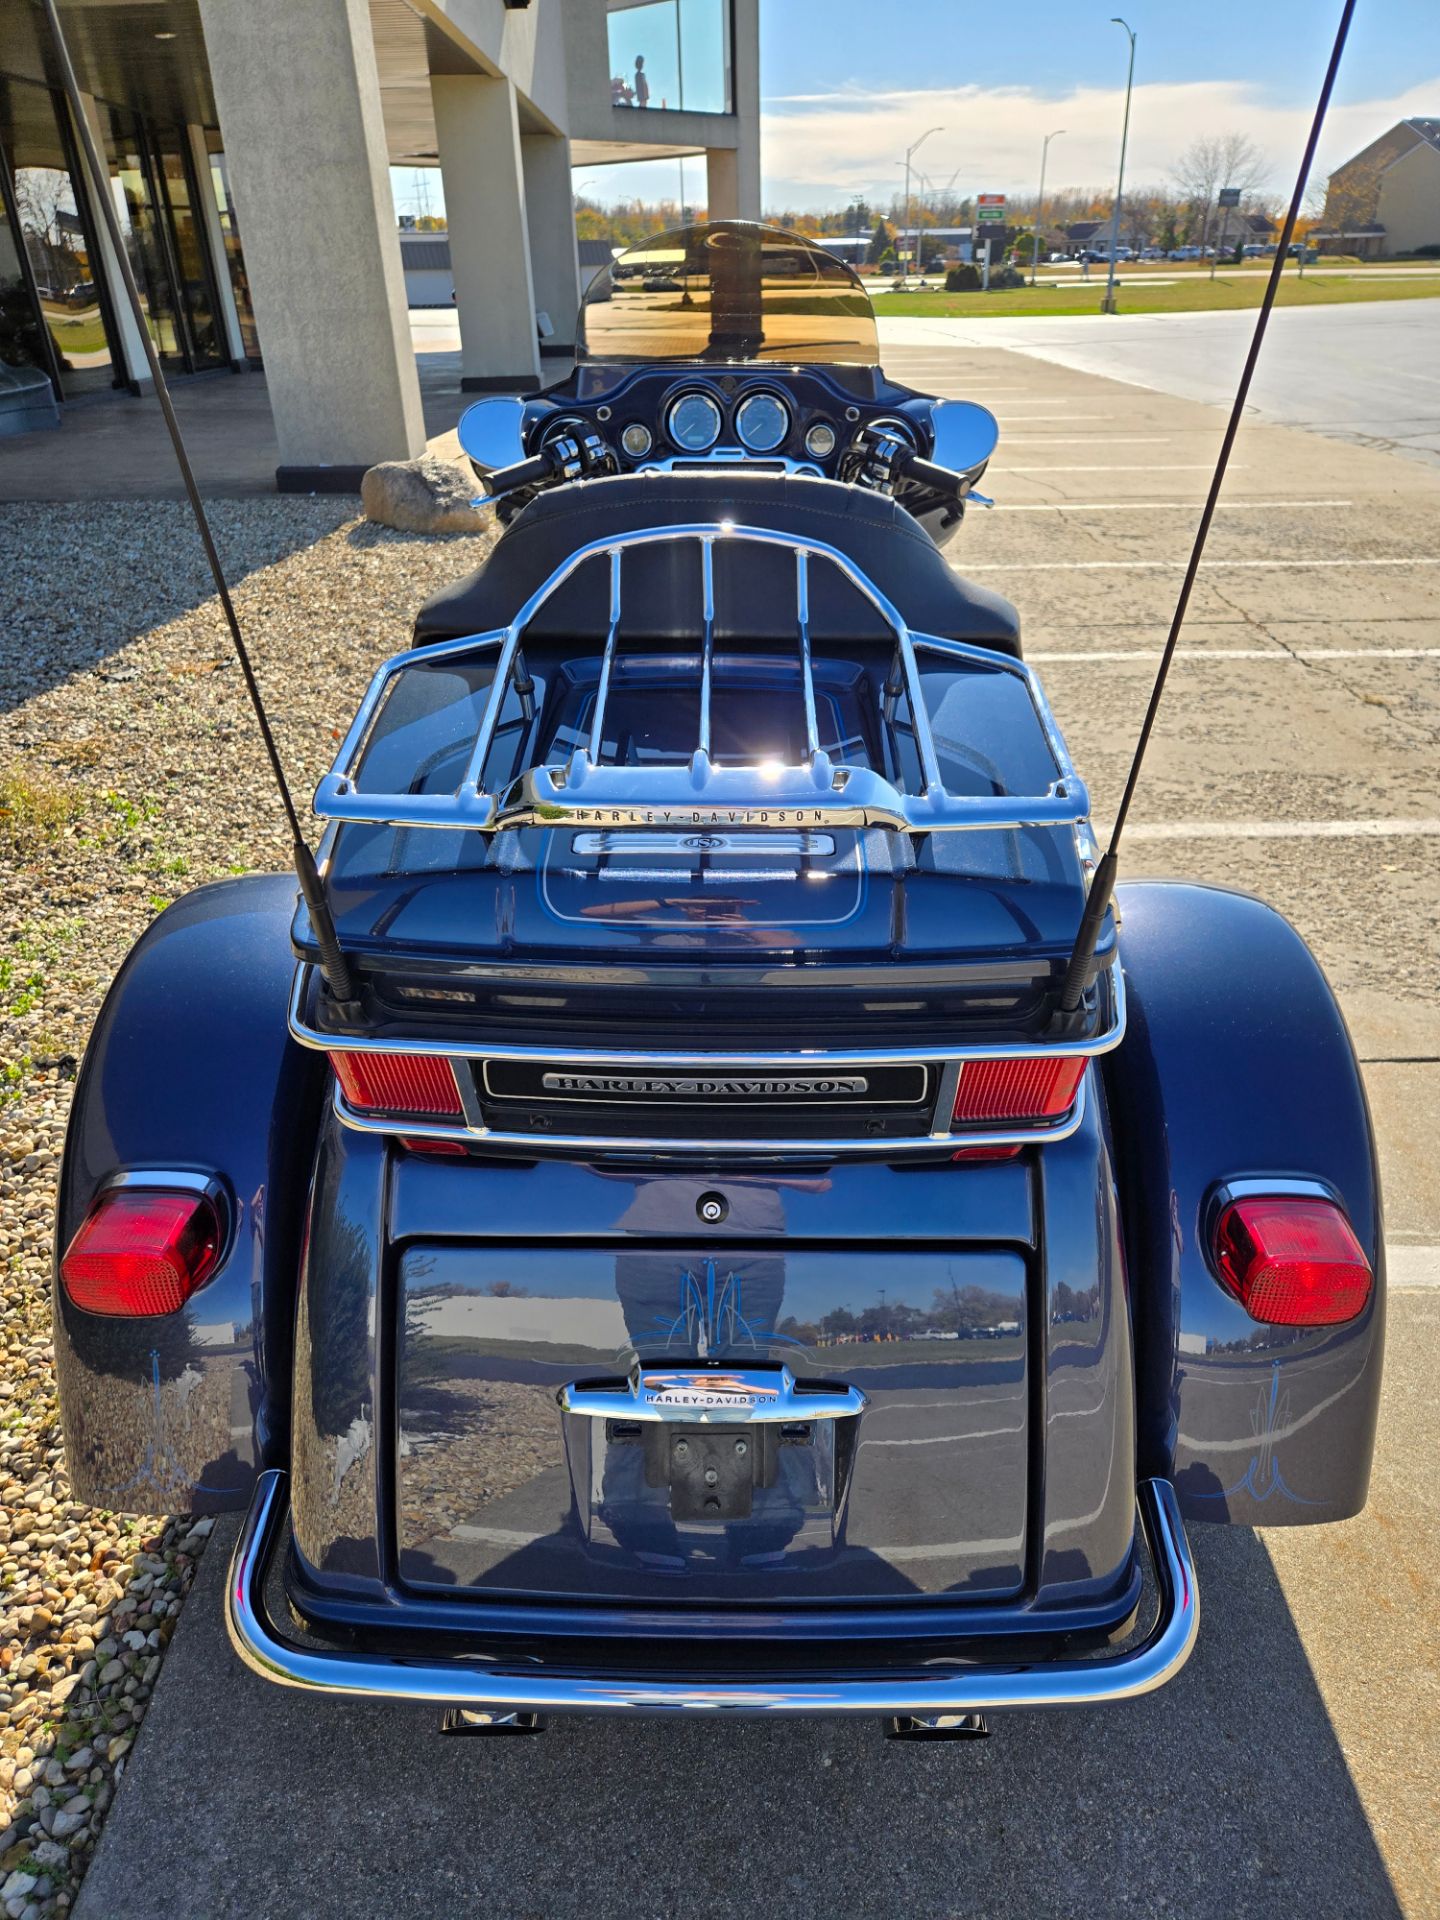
1210,163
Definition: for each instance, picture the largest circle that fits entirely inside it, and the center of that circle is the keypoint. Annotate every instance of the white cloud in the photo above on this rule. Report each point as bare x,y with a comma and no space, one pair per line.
819,149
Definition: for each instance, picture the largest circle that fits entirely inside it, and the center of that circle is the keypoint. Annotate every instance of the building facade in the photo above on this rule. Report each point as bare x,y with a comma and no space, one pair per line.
247,148
1386,200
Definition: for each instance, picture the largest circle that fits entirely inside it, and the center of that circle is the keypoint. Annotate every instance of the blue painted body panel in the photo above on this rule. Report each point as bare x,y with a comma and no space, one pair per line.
460,1497
191,1068
1227,1072
1237,1064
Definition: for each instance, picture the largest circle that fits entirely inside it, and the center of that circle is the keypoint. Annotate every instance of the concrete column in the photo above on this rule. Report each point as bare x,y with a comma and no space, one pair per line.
550,221
745,104
480,163
207,211
133,368
299,104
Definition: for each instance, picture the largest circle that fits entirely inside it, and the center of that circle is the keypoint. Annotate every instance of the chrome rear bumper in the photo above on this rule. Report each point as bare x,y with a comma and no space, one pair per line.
504,1681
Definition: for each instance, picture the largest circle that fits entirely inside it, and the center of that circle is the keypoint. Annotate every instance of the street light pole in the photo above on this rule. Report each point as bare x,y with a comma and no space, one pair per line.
908,151
1040,210
1107,305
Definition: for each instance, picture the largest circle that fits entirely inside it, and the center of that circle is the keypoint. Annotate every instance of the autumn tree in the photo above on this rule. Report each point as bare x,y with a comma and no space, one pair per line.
1352,198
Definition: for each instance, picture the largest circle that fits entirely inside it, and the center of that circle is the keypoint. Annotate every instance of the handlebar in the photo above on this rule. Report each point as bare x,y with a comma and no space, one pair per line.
910,466
524,473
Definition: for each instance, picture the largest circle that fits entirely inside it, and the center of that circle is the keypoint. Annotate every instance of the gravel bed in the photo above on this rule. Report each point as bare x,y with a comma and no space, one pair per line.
130,771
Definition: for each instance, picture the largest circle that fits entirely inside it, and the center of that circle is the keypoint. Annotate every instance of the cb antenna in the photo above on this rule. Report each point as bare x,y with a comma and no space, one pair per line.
1082,956
333,965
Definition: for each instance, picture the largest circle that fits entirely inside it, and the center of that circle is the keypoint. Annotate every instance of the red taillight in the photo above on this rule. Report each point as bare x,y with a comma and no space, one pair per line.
418,1144
418,1084
139,1252
1032,1087
1292,1261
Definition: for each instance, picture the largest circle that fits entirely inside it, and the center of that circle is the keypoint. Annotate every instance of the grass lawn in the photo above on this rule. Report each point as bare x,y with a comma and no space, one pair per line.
1195,293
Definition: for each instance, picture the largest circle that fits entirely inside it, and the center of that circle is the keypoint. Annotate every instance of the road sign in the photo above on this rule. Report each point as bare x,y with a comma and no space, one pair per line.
990,206
1228,197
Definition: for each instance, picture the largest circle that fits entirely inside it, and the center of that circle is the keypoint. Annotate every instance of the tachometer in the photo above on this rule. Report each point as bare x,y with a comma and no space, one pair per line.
693,422
762,422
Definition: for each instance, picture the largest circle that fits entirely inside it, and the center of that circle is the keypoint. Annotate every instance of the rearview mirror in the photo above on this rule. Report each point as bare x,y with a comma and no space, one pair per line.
965,435
491,431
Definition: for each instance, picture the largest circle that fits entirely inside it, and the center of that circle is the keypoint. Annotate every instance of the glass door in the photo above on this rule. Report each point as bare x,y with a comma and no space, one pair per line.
155,196
190,257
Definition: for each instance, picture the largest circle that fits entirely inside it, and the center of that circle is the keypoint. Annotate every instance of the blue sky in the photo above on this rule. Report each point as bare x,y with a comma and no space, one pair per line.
846,85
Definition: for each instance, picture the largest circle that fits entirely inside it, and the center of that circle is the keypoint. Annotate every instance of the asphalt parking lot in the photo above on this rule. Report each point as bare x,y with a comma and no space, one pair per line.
1292,1769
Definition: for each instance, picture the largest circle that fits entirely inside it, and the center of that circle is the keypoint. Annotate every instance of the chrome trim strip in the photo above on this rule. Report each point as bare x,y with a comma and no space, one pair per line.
490,1678
689,1147
757,1060
697,1396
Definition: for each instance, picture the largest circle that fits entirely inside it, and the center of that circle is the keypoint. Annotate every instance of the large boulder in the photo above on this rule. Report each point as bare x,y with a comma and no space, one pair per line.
422,496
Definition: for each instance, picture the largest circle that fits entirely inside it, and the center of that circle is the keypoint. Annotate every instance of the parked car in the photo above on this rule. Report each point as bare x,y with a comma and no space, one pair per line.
713,960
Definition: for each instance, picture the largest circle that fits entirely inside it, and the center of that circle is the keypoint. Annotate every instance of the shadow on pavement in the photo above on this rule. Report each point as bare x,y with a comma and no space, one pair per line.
1226,1795
83,581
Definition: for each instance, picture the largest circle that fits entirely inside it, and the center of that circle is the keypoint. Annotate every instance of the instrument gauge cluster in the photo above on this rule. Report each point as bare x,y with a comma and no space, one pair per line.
762,422
694,422
793,421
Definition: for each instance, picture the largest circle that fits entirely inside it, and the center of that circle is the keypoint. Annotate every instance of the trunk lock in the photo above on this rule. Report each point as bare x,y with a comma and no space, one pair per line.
712,1208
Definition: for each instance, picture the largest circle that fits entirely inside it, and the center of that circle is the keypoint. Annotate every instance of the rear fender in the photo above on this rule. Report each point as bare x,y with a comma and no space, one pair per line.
191,1069
1236,1064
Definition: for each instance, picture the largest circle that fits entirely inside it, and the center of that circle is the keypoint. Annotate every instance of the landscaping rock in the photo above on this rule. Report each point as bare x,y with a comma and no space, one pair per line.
422,496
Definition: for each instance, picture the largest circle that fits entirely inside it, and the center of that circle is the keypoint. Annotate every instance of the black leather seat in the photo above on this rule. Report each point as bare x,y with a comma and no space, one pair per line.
754,585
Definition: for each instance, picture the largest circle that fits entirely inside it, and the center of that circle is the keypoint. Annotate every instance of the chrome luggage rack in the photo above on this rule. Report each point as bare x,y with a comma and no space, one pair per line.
583,791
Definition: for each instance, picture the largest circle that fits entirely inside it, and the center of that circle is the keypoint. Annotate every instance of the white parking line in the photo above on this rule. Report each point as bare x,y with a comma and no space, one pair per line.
1152,506
1189,655
1140,466
1178,566
1088,440
1281,829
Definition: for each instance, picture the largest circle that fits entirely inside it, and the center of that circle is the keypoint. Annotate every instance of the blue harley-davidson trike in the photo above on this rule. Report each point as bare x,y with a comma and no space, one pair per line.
712,1201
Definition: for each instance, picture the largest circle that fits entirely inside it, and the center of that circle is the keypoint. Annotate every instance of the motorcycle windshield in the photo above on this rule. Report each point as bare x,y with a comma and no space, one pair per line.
729,291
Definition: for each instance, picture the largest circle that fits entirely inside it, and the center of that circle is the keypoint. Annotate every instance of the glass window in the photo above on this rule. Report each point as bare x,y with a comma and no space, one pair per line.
54,231
234,258
187,245
134,200
670,55
22,342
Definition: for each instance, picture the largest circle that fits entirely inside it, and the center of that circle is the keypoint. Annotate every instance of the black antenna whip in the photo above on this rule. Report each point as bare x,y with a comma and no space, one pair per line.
1078,972
333,963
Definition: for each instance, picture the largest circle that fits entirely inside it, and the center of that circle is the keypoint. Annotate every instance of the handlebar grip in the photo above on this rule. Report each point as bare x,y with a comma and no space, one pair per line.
942,479
524,473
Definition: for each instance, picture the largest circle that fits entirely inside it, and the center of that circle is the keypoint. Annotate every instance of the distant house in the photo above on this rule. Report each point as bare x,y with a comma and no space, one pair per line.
1081,232
1386,199
594,254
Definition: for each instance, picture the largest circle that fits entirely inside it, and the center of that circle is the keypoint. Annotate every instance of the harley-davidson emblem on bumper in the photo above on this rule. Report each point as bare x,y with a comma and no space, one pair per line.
635,1086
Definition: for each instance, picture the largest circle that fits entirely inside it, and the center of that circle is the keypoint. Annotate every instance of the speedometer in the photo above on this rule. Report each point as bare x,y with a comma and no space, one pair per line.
762,422
693,422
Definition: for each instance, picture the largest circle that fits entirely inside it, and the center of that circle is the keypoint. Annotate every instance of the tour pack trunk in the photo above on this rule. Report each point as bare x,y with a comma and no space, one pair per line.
635,1391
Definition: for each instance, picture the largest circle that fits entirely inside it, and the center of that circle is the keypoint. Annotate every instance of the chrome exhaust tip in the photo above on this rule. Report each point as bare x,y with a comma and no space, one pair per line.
482,1723
935,1726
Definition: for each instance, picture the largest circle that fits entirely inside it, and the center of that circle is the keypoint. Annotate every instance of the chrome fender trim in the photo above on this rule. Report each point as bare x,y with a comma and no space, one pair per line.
498,1681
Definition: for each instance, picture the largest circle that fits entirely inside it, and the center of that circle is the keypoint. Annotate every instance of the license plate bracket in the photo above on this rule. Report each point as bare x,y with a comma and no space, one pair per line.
712,1471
